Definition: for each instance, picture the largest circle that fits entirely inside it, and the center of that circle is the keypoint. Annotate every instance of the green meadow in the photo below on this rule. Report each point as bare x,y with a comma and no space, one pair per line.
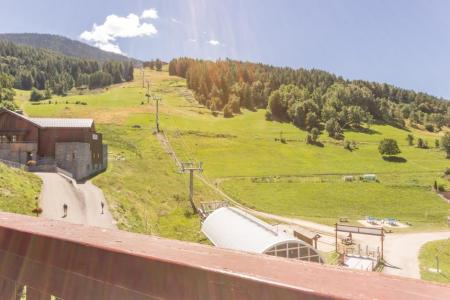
242,157
19,190
427,259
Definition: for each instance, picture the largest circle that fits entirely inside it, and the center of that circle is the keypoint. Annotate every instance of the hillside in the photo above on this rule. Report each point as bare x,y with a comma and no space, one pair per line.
64,46
18,190
26,67
244,157
309,99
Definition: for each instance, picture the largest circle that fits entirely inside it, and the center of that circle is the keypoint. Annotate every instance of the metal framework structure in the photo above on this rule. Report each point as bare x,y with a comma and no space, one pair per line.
232,228
360,230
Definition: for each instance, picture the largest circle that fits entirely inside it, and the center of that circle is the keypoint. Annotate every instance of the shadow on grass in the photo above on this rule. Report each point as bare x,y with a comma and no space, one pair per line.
395,159
360,129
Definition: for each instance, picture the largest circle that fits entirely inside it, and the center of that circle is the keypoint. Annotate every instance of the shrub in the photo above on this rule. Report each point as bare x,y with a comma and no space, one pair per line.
441,188
333,128
422,143
388,147
47,94
436,143
350,145
315,134
429,127
228,111
445,143
447,171
347,145
36,95
410,139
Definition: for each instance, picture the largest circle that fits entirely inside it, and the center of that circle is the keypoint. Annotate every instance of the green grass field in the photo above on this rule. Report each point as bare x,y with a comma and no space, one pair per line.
18,190
427,259
241,156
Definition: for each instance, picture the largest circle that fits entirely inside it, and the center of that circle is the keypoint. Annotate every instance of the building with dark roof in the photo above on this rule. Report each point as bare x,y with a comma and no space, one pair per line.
70,144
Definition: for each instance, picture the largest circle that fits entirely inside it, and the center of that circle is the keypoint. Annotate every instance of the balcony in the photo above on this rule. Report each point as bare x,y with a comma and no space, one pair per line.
50,258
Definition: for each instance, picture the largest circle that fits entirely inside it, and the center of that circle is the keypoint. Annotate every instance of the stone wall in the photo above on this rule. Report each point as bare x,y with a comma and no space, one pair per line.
18,152
75,158
105,157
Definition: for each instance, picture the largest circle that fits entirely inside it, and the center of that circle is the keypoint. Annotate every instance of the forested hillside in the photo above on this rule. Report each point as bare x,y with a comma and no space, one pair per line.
307,98
26,68
63,45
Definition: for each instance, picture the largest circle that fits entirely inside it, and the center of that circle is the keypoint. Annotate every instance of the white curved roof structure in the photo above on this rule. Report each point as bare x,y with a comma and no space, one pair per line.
232,228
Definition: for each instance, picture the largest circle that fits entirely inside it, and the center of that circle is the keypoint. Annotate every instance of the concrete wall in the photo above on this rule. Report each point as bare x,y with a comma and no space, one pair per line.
75,158
17,152
105,157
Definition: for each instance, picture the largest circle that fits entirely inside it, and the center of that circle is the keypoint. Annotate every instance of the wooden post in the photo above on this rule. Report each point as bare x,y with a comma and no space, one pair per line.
437,264
336,239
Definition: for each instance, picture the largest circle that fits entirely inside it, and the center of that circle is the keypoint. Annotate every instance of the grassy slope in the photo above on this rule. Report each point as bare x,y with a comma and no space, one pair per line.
142,185
18,190
427,259
303,180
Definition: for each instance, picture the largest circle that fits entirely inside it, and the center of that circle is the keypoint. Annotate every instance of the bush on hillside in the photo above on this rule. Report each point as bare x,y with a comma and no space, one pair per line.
388,147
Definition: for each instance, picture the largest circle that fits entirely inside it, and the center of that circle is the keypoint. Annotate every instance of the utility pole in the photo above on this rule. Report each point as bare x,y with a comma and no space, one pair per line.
191,167
148,92
143,77
157,99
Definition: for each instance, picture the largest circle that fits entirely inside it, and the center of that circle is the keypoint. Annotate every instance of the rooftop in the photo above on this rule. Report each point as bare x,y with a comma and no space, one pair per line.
232,228
62,123
54,122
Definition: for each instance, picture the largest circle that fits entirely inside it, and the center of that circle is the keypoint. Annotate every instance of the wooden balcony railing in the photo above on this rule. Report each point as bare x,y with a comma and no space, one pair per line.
49,258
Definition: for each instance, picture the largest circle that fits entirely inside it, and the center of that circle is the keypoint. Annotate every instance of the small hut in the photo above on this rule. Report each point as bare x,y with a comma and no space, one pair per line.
369,177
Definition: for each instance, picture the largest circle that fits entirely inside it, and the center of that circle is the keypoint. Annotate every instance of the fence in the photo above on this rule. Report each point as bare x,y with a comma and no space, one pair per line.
14,164
358,251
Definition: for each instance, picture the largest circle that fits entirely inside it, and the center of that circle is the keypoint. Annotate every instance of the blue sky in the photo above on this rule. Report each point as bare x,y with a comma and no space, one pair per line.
406,43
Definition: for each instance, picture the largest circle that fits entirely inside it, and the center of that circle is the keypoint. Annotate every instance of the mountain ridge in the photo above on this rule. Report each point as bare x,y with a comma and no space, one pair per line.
64,45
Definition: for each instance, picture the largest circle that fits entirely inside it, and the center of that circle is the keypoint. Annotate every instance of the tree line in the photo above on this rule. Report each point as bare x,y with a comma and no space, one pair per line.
307,98
156,64
47,70
6,91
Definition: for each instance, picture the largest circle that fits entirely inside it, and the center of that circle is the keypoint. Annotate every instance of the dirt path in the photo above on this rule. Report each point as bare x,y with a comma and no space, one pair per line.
83,201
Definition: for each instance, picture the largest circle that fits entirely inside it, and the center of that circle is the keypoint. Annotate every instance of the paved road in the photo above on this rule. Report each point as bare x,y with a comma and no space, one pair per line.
83,201
402,251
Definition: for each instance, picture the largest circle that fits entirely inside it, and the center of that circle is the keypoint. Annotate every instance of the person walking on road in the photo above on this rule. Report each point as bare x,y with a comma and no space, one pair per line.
103,205
65,210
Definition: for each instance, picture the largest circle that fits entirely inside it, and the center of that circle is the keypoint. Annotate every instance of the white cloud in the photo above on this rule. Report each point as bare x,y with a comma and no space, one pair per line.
175,20
110,47
104,36
150,14
213,42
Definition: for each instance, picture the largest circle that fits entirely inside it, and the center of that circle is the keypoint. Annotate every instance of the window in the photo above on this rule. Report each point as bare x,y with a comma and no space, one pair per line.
13,139
94,137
